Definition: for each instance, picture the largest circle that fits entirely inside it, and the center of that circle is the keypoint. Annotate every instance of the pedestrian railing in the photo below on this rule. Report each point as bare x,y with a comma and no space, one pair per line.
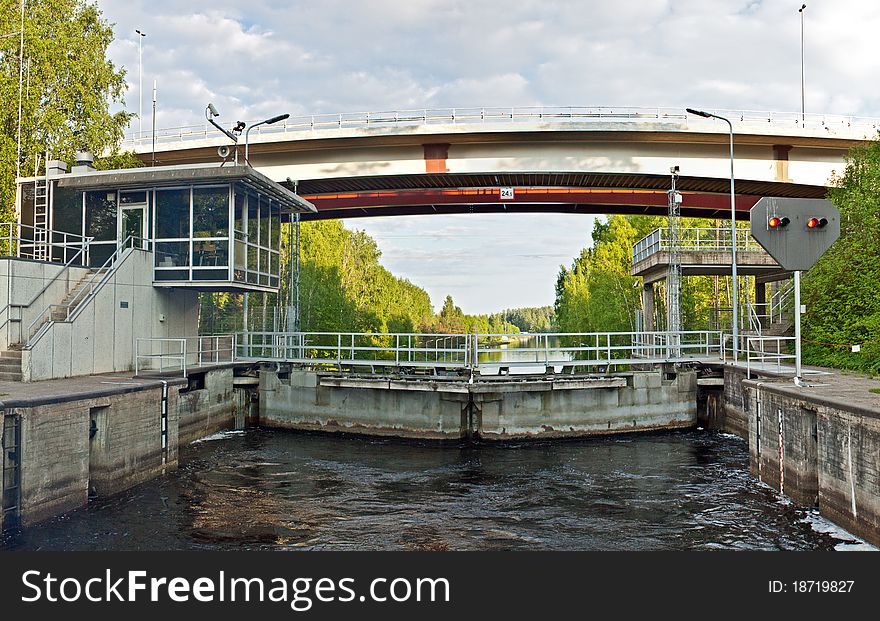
694,240
29,242
479,351
769,353
179,356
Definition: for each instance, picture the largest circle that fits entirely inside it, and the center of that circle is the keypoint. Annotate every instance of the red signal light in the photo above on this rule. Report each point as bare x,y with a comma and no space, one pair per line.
776,222
817,223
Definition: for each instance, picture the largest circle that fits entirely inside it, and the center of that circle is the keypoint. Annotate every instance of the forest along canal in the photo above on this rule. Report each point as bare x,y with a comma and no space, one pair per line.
686,490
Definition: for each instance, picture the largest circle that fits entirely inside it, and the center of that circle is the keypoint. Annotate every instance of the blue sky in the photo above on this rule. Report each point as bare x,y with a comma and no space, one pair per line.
258,58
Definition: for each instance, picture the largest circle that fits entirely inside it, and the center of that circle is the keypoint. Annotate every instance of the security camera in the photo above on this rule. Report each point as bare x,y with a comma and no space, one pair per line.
213,110
223,151
674,170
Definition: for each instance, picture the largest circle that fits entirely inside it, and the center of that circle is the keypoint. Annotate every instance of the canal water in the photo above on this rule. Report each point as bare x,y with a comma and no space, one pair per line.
259,489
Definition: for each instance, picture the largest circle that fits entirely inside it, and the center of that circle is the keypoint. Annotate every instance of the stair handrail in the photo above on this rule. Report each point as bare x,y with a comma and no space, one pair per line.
778,301
91,288
82,252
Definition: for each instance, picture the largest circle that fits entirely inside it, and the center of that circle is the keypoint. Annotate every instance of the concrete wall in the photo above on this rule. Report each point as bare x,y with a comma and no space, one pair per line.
731,413
61,464
21,283
818,452
641,402
101,339
210,409
490,410
374,407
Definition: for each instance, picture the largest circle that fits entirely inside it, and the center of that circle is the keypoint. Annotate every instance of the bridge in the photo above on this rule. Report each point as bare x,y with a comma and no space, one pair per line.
592,160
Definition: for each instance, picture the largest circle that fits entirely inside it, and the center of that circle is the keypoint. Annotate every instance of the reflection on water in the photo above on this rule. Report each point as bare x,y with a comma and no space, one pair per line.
525,354
281,490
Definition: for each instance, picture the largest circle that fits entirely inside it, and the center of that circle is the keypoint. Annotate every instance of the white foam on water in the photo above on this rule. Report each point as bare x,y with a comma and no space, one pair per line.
220,435
848,541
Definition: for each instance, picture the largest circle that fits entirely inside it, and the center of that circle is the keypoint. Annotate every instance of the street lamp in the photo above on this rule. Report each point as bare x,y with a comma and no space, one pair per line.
803,104
274,119
140,83
735,304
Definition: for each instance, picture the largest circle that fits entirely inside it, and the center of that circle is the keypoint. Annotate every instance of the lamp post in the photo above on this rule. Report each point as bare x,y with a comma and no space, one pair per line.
141,36
735,303
274,119
803,104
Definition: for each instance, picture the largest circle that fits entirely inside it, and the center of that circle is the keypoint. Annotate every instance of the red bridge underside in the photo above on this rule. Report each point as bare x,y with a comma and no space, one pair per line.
526,200
399,195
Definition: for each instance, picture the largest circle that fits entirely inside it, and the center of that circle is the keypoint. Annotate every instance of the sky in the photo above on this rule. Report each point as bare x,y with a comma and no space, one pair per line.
259,58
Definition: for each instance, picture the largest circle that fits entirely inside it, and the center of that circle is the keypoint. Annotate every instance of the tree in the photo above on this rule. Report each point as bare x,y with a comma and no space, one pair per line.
842,291
67,87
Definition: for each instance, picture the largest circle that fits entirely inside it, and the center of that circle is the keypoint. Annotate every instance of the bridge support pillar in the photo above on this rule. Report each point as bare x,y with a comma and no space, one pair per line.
648,306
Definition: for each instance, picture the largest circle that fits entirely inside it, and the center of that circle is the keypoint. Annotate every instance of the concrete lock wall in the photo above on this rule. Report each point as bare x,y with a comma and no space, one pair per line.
373,407
65,456
208,409
818,453
451,410
102,338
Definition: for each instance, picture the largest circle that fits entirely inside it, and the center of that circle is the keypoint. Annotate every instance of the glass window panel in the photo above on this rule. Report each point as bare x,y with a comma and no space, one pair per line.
171,275
133,198
101,215
264,222
240,211
252,258
172,213
239,275
210,274
172,254
264,261
240,255
276,230
27,204
211,212
67,210
99,253
252,277
253,219
211,253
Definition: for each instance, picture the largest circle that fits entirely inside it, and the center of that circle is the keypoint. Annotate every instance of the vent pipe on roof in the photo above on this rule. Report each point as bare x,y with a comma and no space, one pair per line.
84,162
55,168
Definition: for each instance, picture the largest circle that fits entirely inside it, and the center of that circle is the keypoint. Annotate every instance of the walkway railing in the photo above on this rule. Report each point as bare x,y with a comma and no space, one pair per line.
28,242
180,355
694,239
479,351
859,128
353,348
767,353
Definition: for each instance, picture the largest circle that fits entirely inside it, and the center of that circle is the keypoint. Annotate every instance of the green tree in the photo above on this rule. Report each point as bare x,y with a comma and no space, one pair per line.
842,291
68,85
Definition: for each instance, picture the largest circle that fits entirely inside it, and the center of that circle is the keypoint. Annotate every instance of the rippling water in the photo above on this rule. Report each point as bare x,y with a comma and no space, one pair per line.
277,490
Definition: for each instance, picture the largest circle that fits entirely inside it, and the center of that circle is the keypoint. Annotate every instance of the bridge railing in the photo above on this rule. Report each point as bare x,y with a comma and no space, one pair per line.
822,124
488,352
694,239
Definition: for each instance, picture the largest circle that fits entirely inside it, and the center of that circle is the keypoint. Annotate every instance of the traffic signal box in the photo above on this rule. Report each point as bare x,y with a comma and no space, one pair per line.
795,231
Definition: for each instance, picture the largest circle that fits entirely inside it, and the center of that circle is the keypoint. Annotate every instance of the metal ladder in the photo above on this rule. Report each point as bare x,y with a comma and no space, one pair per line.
10,443
41,219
